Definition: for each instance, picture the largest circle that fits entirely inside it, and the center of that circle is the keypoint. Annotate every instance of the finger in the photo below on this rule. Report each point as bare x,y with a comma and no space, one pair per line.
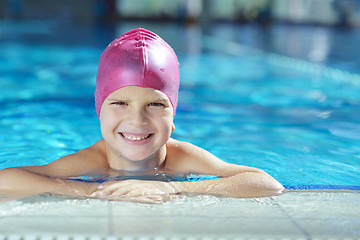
109,191
119,186
133,188
109,186
125,188
106,184
99,194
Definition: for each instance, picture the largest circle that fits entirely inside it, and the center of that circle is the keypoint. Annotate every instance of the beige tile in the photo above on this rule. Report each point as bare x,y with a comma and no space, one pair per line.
294,214
204,206
237,226
324,214
205,226
321,205
142,225
54,225
332,228
204,215
55,206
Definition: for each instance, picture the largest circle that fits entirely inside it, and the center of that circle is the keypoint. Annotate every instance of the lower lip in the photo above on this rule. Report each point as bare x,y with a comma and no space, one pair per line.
139,142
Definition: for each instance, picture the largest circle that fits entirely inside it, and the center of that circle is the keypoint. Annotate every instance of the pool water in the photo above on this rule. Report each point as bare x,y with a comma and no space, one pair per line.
295,119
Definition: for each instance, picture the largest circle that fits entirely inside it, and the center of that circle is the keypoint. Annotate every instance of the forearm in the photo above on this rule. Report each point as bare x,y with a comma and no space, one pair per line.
16,181
242,185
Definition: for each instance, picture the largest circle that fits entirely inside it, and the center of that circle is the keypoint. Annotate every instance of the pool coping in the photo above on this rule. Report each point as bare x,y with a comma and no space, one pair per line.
297,214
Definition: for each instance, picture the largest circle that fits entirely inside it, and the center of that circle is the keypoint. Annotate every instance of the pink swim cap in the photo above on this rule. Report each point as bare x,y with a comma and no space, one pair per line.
137,58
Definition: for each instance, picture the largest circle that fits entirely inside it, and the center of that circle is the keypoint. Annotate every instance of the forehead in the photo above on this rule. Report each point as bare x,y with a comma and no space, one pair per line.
134,92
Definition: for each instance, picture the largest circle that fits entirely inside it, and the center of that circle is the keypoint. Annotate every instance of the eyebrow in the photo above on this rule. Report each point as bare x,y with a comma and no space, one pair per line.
159,100
117,99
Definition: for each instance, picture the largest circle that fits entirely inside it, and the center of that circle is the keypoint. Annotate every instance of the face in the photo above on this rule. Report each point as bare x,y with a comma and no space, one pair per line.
136,123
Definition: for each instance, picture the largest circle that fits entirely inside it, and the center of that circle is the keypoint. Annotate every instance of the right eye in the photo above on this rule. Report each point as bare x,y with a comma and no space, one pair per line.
119,103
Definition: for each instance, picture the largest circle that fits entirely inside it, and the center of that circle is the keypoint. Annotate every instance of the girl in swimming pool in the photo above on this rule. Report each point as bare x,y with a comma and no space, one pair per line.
135,98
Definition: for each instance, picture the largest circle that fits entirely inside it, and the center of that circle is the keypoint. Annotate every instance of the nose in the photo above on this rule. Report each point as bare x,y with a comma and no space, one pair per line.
136,117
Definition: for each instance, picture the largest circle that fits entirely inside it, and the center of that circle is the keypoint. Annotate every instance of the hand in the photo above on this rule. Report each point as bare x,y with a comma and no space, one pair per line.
136,190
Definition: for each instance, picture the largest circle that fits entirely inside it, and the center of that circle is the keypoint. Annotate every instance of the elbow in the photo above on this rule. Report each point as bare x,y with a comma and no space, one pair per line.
272,187
249,185
276,189
268,185
263,185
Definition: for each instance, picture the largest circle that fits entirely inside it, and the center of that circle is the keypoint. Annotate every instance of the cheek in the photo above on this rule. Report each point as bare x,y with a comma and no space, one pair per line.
166,125
104,128
163,122
107,123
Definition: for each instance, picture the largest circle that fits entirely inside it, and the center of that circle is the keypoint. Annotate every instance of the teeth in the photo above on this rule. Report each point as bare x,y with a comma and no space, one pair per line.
133,138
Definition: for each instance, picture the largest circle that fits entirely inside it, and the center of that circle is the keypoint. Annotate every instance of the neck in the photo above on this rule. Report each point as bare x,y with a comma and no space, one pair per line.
147,165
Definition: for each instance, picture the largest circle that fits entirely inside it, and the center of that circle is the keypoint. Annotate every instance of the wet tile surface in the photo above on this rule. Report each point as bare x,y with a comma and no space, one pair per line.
300,215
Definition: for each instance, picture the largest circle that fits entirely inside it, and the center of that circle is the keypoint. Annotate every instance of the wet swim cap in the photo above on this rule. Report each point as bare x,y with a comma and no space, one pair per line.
137,58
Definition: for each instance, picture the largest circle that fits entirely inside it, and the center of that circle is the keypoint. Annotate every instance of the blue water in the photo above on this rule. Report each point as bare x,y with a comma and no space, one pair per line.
248,103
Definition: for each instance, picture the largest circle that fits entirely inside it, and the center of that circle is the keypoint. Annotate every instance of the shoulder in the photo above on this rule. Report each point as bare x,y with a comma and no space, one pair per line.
184,157
178,150
179,147
86,161
96,152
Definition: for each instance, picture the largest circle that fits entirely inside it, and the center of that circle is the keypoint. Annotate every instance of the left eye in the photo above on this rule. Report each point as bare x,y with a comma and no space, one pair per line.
156,105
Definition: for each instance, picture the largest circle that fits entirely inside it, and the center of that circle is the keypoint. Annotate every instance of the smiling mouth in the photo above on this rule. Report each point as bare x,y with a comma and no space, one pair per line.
133,137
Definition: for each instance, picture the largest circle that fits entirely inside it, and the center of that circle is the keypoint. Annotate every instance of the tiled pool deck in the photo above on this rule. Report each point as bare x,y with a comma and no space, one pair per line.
294,215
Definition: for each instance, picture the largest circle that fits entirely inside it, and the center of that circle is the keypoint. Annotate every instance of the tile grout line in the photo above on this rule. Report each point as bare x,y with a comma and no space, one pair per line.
110,219
302,230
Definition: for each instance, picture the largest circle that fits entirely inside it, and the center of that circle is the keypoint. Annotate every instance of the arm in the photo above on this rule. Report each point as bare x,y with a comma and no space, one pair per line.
21,182
247,184
25,181
235,181
241,185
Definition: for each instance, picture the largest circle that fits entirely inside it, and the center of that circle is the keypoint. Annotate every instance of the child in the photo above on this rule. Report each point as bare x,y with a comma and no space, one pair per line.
136,97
